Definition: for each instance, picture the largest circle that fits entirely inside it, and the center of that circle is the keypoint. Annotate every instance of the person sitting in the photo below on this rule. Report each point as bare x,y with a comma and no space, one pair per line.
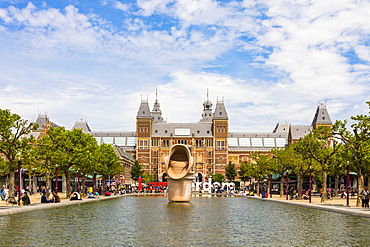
107,193
25,199
90,195
44,199
56,197
75,196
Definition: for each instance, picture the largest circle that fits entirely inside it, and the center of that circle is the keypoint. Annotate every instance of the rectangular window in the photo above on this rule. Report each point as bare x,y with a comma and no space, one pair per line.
120,141
165,143
268,142
143,144
244,142
131,141
209,143
108,139
280,142
155,142
233,142
220,145
257,142
182,132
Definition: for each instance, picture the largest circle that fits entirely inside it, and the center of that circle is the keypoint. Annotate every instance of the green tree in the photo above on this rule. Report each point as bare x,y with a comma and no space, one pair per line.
148,177
72,150
244,173
320,146
13,142
231,171
218,177
136,171
109,162
357,141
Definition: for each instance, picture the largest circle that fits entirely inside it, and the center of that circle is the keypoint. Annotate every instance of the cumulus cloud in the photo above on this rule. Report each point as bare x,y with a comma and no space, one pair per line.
312,51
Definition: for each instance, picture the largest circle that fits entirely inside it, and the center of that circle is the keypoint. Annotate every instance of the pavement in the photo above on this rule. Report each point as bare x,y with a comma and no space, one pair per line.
37,205
337,205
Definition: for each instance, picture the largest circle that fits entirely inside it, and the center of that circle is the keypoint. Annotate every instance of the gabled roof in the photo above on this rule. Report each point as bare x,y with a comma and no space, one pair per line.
321,116
298,131
42,120
220,111
144,111
83,125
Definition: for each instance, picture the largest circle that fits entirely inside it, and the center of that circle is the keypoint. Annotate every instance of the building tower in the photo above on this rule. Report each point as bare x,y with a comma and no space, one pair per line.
207,111
156,113
220,132
143,133
322,117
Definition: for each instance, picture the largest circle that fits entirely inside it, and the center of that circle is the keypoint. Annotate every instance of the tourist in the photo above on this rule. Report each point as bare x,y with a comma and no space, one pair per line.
44,199
365,197
25,199
75,196
56,197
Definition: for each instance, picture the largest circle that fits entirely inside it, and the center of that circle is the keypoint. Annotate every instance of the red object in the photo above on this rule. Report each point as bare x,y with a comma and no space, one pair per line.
140,184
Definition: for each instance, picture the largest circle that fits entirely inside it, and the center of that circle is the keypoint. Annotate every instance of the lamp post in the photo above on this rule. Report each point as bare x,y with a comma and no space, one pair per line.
270,185
19,182
56,178
286,186
78,181
348,184
310,188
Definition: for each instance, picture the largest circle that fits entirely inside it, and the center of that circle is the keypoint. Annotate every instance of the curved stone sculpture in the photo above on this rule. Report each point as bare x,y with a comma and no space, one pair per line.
178,166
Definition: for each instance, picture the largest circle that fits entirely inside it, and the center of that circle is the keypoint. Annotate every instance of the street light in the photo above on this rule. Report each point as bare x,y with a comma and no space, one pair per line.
56,178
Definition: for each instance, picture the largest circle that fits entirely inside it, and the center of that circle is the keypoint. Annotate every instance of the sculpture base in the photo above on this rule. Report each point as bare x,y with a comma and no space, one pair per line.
179,190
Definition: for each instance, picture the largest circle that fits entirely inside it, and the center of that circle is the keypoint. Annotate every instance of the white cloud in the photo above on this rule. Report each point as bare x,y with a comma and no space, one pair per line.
121,6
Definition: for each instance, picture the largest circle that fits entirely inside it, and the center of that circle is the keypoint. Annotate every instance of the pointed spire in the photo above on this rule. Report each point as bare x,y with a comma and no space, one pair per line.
322,116
207,110
156,113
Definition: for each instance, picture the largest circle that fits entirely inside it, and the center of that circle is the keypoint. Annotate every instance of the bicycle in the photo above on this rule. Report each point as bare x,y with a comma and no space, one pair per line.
11,200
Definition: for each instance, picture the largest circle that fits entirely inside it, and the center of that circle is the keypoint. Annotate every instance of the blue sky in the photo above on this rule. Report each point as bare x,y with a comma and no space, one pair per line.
270,61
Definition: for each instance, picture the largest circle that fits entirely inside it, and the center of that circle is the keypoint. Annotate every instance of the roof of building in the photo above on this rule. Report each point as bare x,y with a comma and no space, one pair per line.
298,131
42,120
182,129
220,111
144,111
322,116
83,125
123,154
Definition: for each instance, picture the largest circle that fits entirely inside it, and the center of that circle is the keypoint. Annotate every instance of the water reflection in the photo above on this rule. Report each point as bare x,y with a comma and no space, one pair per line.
153,221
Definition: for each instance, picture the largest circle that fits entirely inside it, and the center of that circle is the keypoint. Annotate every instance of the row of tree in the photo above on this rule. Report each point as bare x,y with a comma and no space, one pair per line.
326,150
60,149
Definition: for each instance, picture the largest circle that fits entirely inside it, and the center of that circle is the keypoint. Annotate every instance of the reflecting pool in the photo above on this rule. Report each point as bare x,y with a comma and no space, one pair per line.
209,221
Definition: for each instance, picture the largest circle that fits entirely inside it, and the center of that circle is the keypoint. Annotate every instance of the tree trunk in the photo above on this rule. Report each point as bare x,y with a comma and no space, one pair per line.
30,183
94,183
83,185
282,186
324,186
68,182
360,186
300,185
336,185
11,183
48,185
104,183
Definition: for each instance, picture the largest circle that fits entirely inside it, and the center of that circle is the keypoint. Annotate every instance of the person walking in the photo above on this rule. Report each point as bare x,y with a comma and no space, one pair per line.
365,197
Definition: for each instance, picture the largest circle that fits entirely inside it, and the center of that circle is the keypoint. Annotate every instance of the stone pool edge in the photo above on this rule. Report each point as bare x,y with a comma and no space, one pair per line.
336,208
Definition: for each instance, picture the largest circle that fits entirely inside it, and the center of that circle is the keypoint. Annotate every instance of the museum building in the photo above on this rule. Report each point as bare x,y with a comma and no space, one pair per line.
209,140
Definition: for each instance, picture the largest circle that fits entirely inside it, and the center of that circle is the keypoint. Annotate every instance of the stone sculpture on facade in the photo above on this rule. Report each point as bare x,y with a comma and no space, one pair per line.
179,164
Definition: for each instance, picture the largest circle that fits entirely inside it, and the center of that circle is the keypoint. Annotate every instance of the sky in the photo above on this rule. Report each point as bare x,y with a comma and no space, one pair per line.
268,61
